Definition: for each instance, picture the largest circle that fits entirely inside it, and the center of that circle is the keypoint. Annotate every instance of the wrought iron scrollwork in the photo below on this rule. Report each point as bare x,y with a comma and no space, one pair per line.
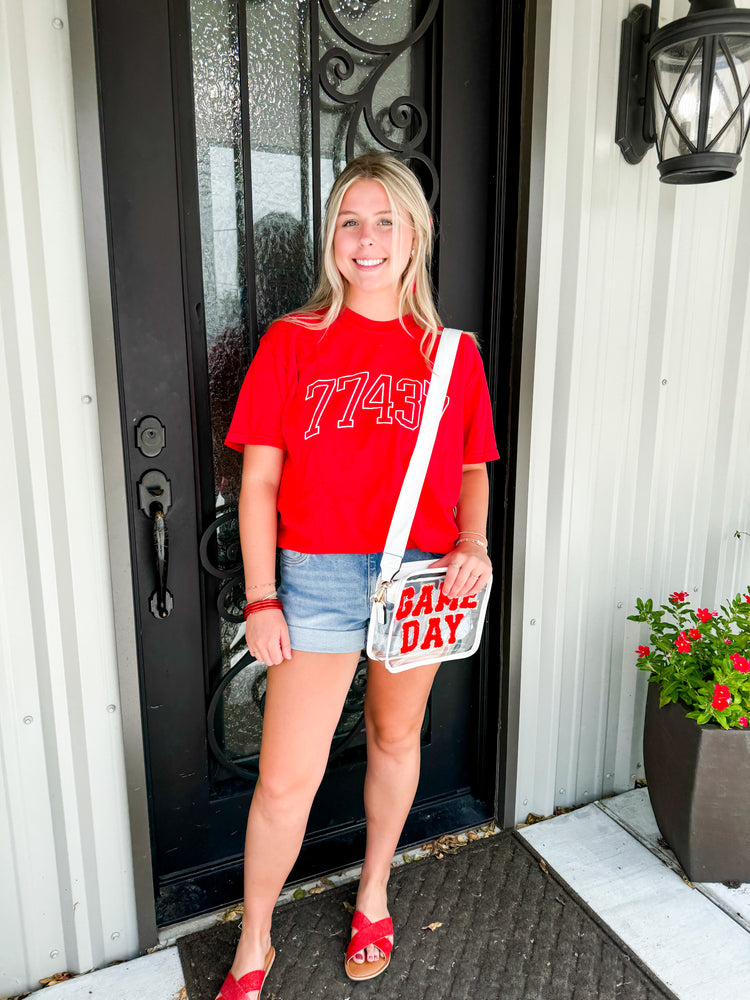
221,557
405,113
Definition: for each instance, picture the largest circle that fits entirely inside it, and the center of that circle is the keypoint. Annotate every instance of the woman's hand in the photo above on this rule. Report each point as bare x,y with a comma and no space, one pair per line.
267,636
469,569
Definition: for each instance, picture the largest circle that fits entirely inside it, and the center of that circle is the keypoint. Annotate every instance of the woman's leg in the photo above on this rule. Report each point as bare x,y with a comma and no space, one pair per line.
304,699
394,711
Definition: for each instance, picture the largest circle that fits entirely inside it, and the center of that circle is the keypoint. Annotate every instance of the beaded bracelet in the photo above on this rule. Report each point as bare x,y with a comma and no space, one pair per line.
261,586
264,605
474,541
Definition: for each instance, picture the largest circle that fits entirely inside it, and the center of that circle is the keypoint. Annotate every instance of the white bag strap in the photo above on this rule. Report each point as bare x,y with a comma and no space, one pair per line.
408,498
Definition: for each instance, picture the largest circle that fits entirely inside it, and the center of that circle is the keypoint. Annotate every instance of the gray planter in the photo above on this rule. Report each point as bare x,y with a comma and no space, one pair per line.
699,785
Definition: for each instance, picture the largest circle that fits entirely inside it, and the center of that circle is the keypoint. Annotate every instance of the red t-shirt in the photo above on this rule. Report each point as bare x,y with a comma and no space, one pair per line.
345,404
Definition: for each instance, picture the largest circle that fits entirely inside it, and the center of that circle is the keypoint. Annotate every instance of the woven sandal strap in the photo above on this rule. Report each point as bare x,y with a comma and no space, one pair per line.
371,933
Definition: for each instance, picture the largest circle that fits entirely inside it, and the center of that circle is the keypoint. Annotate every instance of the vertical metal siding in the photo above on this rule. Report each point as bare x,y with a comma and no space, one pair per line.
67,872
637,362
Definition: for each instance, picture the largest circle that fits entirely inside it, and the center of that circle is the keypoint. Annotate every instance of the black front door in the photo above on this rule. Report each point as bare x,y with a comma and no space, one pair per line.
223,127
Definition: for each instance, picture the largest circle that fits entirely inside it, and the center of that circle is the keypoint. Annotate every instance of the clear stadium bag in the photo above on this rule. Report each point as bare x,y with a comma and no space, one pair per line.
412,623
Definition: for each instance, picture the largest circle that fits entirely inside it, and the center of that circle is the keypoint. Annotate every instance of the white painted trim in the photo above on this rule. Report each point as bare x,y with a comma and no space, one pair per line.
539,84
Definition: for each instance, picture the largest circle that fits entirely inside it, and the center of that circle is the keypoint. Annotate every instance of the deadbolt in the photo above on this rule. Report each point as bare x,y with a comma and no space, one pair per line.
150,436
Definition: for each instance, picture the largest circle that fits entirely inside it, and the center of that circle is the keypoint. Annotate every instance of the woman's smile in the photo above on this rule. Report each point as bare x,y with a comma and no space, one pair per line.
371,247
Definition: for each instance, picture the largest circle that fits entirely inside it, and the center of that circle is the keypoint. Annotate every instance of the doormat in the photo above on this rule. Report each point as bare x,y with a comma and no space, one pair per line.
486,923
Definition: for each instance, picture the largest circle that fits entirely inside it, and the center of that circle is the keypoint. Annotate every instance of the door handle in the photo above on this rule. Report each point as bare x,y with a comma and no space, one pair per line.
158,603
155,498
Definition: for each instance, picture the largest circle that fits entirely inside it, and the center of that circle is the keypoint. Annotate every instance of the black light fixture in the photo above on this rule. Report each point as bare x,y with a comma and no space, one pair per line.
686,87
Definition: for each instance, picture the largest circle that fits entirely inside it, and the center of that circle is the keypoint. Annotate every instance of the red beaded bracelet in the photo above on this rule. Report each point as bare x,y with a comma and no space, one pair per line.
263,605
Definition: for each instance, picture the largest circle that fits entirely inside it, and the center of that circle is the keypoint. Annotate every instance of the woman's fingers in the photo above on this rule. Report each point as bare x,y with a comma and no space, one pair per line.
286,646
268,637
467,572
466,581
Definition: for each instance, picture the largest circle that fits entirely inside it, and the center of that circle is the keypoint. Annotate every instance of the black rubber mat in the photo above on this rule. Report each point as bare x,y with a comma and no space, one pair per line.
509,930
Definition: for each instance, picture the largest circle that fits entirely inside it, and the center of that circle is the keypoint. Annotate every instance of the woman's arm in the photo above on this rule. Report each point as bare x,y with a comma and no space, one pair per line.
469,566
266,632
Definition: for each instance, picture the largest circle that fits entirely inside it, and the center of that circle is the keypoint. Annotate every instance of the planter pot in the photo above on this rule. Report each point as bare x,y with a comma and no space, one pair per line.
699,785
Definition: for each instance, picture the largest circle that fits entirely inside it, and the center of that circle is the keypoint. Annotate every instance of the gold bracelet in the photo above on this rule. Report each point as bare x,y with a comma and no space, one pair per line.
479,533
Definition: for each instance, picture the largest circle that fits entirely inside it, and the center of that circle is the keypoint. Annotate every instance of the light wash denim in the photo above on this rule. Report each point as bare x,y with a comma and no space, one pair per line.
327,597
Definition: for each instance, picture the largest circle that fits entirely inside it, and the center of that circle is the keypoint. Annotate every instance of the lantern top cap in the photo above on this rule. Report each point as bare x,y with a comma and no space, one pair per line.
702,6
705,18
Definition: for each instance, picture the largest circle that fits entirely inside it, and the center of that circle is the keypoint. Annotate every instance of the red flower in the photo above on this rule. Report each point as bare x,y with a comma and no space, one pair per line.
643,651
705,615
743,722
728,642
694,633
678,597
747,598
683,643
721,697
740,663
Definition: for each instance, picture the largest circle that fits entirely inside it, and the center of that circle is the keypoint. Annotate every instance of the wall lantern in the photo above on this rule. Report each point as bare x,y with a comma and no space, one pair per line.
686,87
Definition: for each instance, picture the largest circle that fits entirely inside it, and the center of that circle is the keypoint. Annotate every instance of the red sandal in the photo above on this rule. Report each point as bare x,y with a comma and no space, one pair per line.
238,989
368,932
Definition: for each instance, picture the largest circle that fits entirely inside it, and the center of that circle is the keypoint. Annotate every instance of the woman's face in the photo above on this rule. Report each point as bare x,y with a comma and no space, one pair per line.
368,253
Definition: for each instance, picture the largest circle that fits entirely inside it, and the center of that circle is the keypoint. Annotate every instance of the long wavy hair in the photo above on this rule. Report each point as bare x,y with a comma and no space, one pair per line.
415,293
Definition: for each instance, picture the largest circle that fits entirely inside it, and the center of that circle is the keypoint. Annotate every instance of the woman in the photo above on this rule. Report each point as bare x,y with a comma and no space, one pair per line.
327,419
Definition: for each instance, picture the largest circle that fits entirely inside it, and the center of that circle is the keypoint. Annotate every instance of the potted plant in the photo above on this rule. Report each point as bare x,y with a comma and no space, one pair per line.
697,732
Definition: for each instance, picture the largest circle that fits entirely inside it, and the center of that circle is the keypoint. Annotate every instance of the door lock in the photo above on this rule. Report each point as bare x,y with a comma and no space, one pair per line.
150,436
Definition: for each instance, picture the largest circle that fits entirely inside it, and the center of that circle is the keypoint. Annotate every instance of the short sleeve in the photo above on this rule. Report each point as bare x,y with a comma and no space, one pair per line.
258,414
479,433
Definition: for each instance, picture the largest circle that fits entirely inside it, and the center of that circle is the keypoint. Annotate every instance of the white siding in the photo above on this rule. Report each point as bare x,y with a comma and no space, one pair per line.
635,452
66,880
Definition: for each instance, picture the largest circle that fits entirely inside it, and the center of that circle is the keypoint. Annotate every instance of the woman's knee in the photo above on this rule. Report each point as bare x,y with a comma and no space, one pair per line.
394,738
284,789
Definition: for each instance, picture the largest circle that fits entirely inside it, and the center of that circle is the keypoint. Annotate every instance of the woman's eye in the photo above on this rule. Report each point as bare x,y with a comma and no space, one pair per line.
349,222
386,222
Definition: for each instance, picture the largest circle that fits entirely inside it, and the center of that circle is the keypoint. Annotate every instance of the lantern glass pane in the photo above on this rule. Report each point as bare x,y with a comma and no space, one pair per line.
677,97
724,132
729,95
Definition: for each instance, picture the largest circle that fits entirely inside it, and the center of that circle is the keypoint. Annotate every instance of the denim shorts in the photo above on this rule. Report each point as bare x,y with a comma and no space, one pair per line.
327,598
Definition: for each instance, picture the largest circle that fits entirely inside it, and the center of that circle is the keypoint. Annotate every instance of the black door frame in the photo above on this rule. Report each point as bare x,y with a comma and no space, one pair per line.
159,215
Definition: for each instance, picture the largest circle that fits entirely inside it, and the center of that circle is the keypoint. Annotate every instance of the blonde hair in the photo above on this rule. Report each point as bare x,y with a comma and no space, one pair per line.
415,295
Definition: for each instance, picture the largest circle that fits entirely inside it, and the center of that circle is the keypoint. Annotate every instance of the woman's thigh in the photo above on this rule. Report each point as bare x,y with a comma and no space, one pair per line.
304,699
395,703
